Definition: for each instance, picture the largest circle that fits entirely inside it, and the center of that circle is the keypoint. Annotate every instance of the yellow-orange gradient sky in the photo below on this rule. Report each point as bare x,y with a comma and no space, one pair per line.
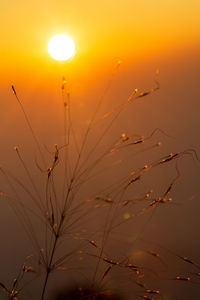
144,35
104,31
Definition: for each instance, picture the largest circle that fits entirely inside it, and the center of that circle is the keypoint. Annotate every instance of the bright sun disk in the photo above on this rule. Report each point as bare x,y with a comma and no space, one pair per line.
61,47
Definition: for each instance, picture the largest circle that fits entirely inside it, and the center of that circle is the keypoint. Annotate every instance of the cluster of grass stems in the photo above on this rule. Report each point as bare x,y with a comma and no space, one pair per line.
63,213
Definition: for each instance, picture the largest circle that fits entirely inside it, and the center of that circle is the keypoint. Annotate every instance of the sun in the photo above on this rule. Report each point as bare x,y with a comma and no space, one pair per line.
61,47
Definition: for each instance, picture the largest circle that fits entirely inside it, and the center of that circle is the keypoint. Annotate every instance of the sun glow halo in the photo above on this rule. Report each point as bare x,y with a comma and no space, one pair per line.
61,47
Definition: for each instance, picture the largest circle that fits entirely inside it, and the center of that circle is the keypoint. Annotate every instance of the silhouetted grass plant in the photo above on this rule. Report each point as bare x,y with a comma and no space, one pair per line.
78,227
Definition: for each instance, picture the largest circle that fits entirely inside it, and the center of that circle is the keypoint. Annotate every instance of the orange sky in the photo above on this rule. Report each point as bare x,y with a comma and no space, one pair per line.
144,35
104,31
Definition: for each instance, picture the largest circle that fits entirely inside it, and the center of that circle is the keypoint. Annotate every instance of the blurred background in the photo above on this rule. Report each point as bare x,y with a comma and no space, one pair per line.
145,36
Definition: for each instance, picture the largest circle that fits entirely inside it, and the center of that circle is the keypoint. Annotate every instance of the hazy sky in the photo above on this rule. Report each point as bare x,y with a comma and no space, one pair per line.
104,31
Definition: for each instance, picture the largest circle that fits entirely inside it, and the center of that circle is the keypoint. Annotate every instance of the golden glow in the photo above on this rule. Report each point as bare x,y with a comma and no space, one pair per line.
61,47
156,30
